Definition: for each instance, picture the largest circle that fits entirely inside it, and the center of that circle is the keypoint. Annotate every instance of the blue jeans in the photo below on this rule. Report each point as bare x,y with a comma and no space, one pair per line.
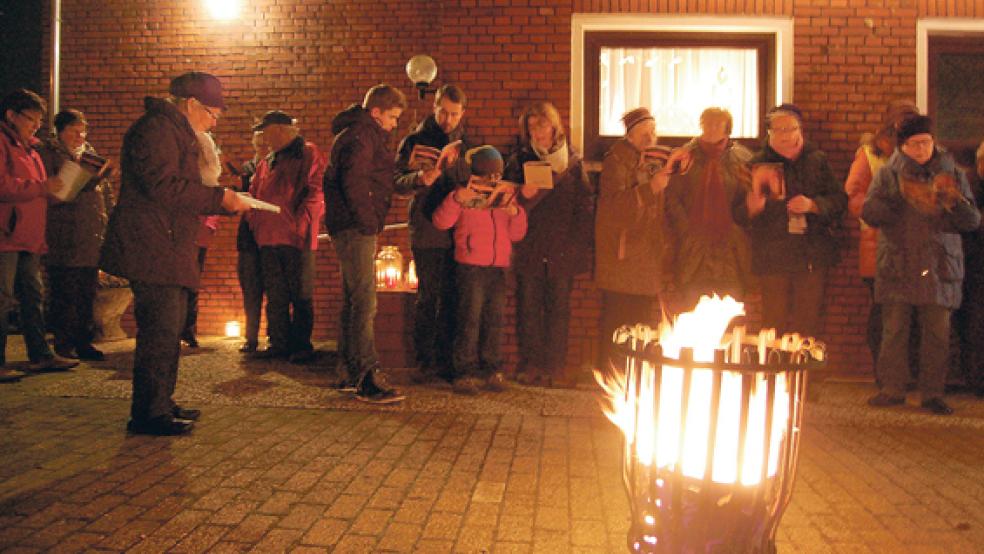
21,286
357,344
481,300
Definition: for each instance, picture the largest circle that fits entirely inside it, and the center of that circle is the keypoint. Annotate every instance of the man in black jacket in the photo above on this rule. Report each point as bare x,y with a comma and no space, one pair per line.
151,239
358,188
433,251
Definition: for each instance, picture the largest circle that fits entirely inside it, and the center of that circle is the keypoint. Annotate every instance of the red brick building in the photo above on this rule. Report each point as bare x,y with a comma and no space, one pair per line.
311,58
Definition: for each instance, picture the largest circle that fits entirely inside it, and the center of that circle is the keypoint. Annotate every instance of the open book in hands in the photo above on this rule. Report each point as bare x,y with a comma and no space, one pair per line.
491,193
768,179
425,158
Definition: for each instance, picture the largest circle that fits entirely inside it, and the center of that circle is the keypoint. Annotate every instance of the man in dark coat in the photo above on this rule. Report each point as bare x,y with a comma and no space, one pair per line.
358,189
151,239
433,252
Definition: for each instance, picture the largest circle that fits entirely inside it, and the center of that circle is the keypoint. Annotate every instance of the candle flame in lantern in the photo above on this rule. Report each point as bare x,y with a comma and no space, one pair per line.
653,426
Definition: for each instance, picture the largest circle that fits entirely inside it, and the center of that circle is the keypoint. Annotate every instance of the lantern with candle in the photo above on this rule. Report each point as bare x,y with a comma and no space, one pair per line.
412,276
389,268
712,424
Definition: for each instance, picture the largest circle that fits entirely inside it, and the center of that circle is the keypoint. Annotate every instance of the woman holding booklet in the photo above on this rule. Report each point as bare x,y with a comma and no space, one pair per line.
557,197
75,233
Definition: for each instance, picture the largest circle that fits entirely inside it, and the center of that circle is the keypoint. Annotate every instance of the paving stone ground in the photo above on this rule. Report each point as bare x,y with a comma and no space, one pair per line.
279,462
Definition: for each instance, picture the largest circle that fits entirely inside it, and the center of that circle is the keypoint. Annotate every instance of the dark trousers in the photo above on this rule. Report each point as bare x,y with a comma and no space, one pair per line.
874,335
543,314
250,281
160,314
481,301
288,278
21,286
791,302
934,344
433,328
357,342
73,291
970,321
618,309
191,318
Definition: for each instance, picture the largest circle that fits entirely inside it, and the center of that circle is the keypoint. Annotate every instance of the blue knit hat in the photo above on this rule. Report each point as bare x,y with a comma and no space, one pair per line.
485,160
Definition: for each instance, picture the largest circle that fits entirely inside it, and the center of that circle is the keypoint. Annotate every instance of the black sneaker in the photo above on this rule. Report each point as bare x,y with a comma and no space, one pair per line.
883,400
163,426
191,414
190,339
90,354
374,389
937,406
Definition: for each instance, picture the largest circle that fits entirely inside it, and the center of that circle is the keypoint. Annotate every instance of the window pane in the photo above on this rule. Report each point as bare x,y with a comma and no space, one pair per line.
677,84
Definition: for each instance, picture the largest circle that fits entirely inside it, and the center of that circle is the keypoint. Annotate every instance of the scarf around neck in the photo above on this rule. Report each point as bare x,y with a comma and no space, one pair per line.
558,156
710,212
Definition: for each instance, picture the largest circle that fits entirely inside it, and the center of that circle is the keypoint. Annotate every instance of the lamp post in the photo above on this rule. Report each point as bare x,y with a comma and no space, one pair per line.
421,70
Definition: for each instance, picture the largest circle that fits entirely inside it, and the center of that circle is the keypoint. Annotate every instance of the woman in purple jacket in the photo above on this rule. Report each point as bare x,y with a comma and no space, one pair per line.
483,238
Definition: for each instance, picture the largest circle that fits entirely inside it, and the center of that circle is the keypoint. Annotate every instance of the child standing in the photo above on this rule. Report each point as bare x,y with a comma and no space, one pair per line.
483,238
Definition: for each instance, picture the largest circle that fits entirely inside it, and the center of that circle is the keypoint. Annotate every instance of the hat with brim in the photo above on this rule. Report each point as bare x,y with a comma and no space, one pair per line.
203,87
274,117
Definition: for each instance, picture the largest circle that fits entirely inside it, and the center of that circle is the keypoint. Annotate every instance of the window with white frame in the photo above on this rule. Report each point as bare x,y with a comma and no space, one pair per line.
676,67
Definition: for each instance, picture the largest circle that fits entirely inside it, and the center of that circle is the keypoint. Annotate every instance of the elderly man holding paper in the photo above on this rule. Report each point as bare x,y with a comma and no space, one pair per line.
151,239
290,178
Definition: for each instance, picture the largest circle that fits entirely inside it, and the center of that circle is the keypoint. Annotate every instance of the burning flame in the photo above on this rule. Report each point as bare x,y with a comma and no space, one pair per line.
653,426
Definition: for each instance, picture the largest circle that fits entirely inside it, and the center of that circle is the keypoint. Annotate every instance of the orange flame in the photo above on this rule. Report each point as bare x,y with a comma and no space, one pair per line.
653,426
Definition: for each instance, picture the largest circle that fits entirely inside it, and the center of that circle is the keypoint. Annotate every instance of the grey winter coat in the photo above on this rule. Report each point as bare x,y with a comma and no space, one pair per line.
919,257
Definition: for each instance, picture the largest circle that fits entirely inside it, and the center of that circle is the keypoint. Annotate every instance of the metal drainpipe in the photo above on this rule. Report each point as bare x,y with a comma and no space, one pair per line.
55,73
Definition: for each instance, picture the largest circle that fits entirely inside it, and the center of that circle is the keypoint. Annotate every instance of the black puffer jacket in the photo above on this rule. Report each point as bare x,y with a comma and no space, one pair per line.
426,199
358,185
152,231
774,249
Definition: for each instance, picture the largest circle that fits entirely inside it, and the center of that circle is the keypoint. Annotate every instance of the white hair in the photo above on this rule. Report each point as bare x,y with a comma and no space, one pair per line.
209,163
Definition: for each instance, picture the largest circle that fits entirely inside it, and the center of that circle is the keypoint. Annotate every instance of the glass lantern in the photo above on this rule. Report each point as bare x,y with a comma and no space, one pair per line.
389,268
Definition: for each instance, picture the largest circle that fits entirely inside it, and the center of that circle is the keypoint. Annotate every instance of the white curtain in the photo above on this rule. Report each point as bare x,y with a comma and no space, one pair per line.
677,84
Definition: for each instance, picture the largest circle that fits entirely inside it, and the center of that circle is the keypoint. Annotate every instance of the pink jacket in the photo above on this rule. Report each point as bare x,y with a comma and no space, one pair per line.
293,183
23,195
482,236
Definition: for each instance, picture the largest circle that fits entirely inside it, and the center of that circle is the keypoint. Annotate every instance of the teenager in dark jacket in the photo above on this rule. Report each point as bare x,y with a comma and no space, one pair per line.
358,188
556,247
75,234
151,239
433,330
791,237
25,188
920,201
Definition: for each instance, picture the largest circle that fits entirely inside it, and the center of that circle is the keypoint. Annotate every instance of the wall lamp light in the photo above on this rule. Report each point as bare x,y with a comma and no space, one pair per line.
422,69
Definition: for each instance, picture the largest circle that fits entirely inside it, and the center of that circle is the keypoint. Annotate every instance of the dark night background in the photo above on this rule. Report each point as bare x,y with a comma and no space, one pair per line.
20,45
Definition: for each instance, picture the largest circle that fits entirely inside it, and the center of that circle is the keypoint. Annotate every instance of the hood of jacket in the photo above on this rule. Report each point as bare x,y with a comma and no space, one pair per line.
349,117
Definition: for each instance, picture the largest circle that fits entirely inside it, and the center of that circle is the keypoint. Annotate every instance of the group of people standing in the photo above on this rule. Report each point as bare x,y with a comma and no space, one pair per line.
666,226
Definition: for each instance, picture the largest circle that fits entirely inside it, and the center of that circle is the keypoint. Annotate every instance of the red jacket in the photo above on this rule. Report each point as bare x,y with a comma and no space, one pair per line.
482,236
290,178
23,195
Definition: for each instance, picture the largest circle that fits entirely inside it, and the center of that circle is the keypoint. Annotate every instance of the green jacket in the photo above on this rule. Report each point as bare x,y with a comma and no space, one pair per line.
697,259
628,226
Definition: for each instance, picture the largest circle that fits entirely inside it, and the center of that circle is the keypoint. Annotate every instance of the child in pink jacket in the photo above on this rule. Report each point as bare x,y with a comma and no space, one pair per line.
483,238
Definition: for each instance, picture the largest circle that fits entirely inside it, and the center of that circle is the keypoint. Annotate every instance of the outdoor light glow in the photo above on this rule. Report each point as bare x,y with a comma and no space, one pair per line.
704,331
232,329
223,9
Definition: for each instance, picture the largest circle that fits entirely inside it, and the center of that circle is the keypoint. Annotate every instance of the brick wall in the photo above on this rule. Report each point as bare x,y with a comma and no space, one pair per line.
312,58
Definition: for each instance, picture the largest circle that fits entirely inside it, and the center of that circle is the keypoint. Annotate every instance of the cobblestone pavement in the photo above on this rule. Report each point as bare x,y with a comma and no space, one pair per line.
281,463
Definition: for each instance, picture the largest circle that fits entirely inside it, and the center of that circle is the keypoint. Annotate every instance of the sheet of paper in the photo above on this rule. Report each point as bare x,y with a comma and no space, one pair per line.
73,178
258,204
